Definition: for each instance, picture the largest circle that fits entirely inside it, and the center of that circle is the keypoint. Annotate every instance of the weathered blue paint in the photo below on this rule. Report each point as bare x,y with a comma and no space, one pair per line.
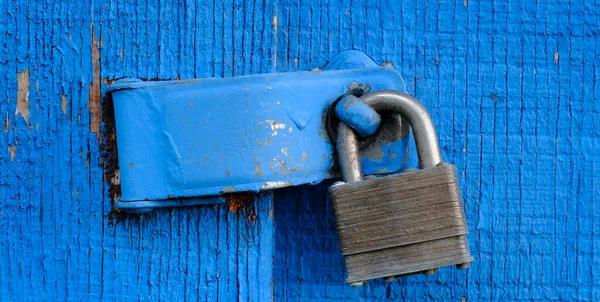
354,112
250,133
512,87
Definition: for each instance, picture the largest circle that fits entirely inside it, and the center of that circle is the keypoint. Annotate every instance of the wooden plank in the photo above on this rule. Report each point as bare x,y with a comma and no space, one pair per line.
59,239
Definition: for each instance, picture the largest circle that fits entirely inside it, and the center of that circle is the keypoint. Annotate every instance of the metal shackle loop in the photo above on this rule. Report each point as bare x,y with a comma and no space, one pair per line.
413,111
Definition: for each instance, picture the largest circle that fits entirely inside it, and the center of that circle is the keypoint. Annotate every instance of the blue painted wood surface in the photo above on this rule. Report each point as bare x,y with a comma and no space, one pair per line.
512,87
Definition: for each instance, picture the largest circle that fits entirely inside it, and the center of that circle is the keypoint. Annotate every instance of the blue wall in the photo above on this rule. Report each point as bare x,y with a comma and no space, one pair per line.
512,87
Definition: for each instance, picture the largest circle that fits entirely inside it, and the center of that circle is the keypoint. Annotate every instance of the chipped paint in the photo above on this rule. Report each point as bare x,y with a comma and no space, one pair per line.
273,124
274,23
269,185
257,170
6,124
304,156
12,150
284,151
63,106
94,97
229,189
23,94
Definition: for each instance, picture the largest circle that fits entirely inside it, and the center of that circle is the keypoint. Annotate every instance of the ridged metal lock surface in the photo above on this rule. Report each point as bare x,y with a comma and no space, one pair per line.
401,224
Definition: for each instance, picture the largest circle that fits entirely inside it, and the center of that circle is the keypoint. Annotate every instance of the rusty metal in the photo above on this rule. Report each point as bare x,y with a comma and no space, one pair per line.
399,224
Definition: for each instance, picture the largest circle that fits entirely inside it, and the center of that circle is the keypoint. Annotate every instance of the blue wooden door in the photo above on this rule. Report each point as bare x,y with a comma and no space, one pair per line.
512,87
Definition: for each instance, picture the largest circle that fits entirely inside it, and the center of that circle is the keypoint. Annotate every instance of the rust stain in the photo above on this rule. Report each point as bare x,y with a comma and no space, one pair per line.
275,22
23,94
6,124
94,95
242,202
109,160
64,104
12,150
556,57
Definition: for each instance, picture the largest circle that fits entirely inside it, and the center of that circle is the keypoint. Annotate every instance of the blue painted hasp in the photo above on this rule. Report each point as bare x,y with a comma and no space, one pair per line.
213,136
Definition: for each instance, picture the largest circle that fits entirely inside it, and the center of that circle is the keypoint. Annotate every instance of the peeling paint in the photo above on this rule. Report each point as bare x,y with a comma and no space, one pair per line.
284,151
12,150
257,169
304,156
269,185
273,124
229,189
94,94
556,57
64,104
23,94
274,22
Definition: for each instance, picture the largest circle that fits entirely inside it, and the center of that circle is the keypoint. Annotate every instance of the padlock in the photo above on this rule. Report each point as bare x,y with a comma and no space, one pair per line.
400,224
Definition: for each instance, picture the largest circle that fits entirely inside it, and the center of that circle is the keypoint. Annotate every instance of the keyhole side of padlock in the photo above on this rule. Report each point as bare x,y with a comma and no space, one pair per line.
426,140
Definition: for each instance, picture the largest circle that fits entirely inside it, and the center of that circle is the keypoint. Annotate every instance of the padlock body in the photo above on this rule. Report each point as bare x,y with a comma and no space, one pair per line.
401,224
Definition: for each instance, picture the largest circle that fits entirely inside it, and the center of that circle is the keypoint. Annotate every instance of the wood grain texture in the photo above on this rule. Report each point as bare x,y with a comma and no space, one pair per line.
512,87
513,90
57,239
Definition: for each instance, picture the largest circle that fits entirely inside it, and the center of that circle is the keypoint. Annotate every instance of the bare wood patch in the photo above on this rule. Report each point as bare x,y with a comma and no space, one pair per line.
64,104
94,95
13,151
23,94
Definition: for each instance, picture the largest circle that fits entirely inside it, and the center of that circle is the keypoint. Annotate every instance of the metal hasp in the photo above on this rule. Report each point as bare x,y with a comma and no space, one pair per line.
401,224
181,140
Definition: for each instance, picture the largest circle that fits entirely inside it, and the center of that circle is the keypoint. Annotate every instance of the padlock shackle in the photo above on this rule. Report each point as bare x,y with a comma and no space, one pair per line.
413,111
